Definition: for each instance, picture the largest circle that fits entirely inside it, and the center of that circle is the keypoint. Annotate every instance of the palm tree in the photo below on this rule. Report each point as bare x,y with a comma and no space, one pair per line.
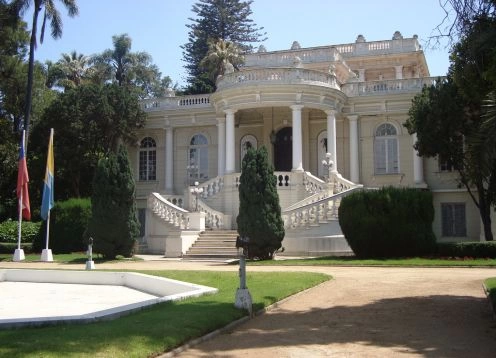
75,68
51,14
126,68
222,57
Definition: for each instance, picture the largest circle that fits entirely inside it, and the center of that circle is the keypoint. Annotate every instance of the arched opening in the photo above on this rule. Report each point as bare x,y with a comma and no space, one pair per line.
283,150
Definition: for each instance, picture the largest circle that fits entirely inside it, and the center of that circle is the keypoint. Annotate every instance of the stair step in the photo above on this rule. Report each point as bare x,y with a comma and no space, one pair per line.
214,244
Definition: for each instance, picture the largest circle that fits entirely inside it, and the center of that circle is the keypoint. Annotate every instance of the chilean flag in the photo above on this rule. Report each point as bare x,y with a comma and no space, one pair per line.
22,182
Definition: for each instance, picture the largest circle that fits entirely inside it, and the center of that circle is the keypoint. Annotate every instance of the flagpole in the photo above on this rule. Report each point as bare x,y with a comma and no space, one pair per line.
19,253
47,199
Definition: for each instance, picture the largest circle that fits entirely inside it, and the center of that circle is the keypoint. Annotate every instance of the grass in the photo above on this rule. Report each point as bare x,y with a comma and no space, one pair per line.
490,284
404,262
72,258
159,328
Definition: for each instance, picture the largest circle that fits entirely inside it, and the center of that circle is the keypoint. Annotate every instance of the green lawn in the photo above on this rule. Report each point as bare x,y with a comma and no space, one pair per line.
490,284
161,327
73,258
351,261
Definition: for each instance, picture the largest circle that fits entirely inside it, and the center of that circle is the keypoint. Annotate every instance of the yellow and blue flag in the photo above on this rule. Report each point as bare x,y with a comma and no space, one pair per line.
47,200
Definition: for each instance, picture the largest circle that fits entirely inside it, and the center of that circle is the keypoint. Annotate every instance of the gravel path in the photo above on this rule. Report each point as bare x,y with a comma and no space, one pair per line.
362,312
372,312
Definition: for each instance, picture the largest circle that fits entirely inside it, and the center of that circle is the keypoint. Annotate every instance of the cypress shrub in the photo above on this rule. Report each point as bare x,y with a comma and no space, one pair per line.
68,221
259,216
113,225
390,222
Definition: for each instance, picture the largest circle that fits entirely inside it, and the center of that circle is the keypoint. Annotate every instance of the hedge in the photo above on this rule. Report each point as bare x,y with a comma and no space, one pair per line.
389,222
473,249
29,231
68,221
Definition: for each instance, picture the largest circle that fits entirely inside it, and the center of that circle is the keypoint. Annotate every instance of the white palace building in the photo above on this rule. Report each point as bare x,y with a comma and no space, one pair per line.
331,118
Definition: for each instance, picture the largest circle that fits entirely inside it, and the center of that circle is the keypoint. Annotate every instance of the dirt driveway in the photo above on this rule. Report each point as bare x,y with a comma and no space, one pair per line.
371,312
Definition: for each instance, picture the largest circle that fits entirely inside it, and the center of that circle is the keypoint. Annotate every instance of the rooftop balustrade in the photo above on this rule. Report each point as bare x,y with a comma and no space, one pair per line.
277,76
331,53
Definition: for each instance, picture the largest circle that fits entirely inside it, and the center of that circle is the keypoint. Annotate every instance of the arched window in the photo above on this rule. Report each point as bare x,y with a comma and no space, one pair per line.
247,142
148,159
386,159
198,159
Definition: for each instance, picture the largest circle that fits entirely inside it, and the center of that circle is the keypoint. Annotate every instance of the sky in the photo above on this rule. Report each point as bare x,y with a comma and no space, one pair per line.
159,27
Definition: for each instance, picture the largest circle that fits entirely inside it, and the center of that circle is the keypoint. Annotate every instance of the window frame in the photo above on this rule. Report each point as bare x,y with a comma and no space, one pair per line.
453,219
147,160
386,144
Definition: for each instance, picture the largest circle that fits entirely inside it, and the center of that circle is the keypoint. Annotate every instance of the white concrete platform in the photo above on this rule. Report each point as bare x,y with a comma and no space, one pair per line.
37,297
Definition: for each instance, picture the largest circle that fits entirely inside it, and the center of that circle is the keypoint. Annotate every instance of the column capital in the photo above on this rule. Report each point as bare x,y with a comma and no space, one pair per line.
221,120
352,117
230,111
297,107
331,112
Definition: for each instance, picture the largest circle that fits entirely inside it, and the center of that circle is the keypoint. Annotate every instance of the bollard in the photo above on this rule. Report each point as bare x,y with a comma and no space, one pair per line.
90,265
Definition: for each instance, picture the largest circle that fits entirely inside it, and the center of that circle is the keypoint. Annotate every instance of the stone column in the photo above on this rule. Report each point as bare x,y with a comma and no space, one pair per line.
354,166
169,157
297,138
331,138
230,148
418,165
221,146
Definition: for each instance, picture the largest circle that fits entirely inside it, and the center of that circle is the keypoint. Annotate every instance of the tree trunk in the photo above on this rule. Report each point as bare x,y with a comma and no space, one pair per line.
29,87
485,213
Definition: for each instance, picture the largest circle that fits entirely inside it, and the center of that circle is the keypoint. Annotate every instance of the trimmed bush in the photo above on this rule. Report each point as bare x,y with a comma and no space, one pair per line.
473,249
9,231
259,216
390,222
68,221
113,224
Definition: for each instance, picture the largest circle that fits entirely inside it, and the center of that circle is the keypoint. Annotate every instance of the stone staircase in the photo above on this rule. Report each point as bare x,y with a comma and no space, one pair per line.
214,245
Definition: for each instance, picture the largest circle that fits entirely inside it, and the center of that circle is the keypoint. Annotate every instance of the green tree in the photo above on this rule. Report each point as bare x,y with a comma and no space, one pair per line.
88,120
227,20
222,56
259,216
129,69
448,118
72,69
51,14
113,224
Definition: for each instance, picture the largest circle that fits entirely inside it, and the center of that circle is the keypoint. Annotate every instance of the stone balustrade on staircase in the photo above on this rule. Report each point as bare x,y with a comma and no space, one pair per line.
170,213
315,213
214,219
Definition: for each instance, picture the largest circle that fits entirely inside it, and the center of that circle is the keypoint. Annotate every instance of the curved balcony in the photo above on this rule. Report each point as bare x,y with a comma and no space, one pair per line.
277,76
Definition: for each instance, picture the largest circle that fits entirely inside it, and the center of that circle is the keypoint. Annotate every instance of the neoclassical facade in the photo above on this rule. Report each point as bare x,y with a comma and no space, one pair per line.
331,118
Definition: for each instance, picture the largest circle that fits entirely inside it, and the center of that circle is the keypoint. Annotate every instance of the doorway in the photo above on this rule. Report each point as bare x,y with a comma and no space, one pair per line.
283,150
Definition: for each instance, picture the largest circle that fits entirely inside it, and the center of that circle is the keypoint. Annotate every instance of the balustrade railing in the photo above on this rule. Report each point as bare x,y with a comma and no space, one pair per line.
330,53
313,184
213,219
194,101
354,89
314,213
177,200
169,212
277,76
211,187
